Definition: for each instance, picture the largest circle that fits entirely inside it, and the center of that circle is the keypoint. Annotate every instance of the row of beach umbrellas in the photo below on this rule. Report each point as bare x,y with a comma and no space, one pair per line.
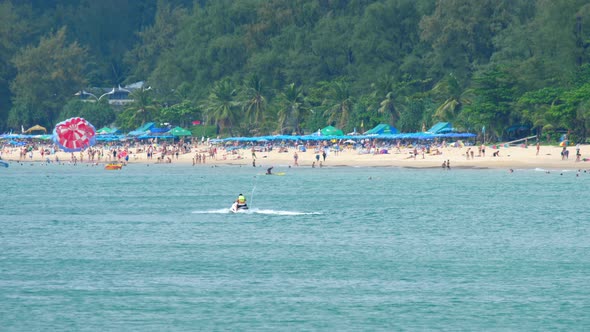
75,134
349,138
352,138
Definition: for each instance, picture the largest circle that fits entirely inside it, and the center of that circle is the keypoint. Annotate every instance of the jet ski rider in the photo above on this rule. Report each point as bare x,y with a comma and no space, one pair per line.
241,200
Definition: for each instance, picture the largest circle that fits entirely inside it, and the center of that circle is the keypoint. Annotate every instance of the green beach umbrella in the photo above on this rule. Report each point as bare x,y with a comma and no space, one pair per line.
178,131
103,130
331,131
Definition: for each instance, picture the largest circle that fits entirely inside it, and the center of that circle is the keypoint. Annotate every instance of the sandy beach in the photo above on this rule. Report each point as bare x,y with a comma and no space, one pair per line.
512,157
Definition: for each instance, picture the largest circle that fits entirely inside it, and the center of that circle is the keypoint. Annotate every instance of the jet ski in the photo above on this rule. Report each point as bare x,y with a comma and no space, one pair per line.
236,208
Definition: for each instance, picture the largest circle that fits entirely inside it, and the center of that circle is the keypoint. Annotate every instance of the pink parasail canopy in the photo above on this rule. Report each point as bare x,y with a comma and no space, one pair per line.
74,134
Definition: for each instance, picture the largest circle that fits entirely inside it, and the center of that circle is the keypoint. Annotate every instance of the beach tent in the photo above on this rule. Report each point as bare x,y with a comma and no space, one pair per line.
381,129
35,128
110,137
331,131
108,131
154,130
159,136
441,128
146,126
178,131
142,130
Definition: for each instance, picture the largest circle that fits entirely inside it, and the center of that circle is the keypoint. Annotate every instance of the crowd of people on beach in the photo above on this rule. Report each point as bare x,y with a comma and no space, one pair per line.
201,151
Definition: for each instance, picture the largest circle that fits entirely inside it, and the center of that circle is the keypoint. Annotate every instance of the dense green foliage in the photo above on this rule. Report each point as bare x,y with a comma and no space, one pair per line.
253,67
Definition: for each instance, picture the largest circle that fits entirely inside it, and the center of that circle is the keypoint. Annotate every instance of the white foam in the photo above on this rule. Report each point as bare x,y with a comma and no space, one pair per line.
256,211
280,213
212,211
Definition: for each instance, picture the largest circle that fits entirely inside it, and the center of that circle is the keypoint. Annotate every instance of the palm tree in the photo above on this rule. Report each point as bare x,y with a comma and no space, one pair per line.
290,113
537,115
383,86
255,102
384,94
221,105
143,104
338,103
583,119
387,106
454,95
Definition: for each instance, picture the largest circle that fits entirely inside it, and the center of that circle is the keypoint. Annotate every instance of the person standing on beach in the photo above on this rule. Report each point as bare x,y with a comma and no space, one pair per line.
538,148
295,158
449,165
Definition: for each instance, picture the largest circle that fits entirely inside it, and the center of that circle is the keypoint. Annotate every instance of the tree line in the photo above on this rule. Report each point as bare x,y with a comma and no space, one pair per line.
254,67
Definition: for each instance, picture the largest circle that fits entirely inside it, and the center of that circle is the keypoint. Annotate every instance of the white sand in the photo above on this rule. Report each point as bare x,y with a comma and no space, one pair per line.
549,157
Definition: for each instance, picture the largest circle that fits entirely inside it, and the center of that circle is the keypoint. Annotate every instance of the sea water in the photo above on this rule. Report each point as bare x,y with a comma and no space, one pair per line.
155,248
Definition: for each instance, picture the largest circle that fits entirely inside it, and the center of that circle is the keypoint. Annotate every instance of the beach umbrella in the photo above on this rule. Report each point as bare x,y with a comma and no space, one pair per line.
178,131
331,131
74,134
104,131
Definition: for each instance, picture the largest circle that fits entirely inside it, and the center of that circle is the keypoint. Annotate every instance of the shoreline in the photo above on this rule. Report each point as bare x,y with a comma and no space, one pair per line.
509,158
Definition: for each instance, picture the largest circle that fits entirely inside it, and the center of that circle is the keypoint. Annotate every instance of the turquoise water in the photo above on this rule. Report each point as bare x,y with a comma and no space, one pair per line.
154,248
